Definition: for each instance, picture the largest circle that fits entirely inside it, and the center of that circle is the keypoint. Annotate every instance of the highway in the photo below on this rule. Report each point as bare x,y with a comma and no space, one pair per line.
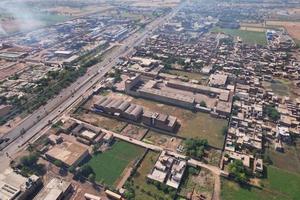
55,107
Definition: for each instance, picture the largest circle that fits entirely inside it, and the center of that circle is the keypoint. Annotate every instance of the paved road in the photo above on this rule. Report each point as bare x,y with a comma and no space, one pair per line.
54,107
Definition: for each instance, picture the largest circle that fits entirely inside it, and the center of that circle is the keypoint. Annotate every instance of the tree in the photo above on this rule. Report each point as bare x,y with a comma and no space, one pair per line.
95,148
195,147
203,104
30,160
72,169
85,170
272,112
238,171
58,163
92,177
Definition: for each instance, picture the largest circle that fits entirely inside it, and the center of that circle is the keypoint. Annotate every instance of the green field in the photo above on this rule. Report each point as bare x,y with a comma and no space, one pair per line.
192,124
250,37
144,191
189,75
109,165
279,185
289,160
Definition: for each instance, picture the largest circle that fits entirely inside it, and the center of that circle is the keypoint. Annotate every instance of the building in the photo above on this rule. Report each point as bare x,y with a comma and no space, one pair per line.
69,153
160,121
218,80
15,186
169,170
56,189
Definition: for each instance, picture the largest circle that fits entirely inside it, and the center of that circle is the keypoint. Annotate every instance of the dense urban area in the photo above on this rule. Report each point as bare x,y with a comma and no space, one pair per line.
150,99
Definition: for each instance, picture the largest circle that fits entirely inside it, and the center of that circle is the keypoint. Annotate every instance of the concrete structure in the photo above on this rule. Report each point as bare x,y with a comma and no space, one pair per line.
168,169
136,113
15,186
160,121
56,189
69,153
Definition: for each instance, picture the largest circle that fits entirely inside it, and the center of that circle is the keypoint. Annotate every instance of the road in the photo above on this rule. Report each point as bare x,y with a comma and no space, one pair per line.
34,123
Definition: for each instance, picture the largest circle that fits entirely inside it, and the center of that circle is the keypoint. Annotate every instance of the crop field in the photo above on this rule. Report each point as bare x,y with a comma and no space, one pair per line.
251,37
278,185
144,191
192,124
109,165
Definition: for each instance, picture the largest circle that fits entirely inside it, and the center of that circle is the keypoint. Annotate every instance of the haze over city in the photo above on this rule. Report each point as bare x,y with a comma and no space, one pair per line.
149,99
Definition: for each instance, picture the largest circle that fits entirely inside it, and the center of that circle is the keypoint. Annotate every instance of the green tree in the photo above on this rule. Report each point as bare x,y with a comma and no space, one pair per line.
238,171
272,112
92,177
203,104
58,163
195,147
85,170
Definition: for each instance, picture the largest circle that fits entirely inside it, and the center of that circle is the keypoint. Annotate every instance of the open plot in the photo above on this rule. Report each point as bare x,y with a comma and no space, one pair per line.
143,190
133,131
289,160
282,87
109,165
162,140
251,37
192,124
189,75
196,185
293,28
101,121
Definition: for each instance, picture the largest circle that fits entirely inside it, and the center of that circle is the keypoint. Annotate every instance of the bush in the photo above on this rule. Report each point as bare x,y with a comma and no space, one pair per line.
203,104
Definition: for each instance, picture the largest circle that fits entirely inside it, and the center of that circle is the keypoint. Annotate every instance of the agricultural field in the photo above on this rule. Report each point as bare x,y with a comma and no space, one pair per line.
251,37
162,140
198,184
109,165
143,190
192,124
278,185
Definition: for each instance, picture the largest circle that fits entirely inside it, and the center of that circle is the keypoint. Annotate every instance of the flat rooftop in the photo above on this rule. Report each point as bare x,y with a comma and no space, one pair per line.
67,152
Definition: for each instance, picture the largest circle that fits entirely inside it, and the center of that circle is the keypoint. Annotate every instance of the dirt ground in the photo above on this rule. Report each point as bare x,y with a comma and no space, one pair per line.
293,28
101,121
134,131
11,69
162,140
